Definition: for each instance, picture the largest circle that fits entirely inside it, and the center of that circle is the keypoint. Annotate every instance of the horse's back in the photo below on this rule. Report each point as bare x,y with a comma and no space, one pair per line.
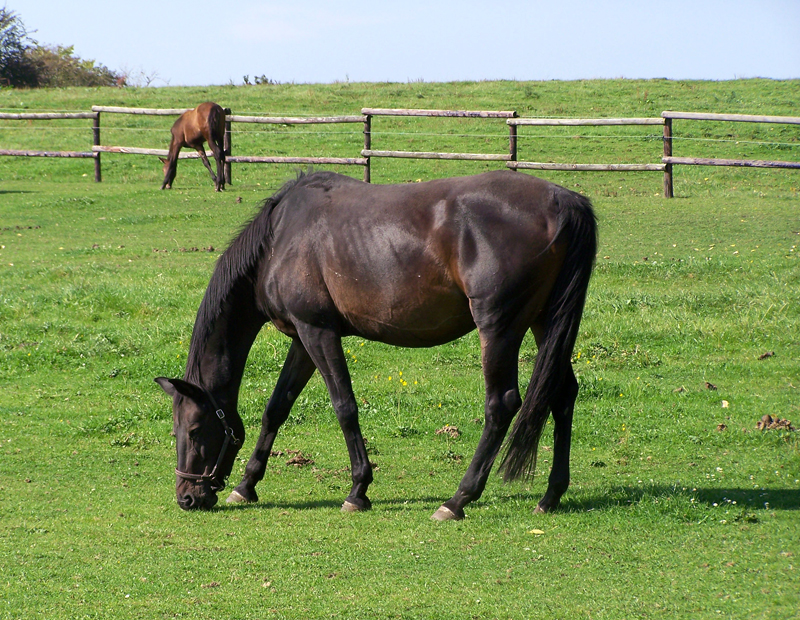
195,126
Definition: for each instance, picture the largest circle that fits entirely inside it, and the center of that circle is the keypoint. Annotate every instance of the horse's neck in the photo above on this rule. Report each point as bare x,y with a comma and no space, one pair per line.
218,352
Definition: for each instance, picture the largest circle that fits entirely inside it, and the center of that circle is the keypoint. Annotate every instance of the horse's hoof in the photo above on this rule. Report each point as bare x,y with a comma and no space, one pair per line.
445,514
542,509
351,507
236,498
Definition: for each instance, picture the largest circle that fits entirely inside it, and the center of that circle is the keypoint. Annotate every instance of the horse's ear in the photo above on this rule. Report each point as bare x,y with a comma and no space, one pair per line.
166,385
163,161
174,387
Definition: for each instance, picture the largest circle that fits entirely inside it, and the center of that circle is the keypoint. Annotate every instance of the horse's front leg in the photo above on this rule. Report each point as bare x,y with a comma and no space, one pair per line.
325,348
500,354
297,370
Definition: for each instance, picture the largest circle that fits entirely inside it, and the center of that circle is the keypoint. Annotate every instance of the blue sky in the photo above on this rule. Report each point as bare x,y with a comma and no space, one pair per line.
203,42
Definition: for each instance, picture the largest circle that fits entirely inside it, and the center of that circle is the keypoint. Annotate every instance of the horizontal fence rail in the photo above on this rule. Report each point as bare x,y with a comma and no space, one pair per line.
437,113
134,150
532,165
337,161
26,116
25,153
293,120
429,155
142,111
594,122
510,159
736,118
742,163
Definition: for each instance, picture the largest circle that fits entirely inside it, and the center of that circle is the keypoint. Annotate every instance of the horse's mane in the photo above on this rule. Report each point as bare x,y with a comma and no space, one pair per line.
235,267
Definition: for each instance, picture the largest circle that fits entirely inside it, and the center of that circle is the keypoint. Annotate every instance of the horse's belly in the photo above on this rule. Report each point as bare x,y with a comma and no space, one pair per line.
419,318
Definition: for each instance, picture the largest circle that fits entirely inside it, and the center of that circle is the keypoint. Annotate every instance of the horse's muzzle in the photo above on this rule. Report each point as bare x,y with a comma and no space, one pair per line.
193,501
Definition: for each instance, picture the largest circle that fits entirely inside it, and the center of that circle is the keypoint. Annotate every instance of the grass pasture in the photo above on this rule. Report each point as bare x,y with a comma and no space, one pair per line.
679,506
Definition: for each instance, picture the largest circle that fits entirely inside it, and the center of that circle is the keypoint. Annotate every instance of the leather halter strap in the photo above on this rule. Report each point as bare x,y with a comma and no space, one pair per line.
216,485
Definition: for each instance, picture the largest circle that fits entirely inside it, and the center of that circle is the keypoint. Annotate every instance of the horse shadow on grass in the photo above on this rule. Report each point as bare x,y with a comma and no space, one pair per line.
759,498
382,504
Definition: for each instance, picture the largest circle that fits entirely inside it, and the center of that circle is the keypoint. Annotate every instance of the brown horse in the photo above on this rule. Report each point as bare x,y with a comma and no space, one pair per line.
206,123
412,265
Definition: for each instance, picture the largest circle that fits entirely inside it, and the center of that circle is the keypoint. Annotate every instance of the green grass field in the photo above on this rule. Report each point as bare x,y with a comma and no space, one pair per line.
679,506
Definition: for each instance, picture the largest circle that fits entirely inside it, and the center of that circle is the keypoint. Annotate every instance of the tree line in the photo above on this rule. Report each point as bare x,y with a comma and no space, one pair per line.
24,62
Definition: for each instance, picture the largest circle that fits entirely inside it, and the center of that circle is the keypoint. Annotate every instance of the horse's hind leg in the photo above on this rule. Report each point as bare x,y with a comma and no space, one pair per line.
561,408
325,348
500,355
297,370
219,156
202,152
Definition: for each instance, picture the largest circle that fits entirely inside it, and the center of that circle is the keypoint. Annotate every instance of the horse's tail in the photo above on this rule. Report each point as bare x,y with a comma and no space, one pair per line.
578,224
216,124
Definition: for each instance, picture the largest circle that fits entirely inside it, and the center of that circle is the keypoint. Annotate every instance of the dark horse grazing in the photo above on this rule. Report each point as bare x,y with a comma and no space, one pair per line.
205,123
412,265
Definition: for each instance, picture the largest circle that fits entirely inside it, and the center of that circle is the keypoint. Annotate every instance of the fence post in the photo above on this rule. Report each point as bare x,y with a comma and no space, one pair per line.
512,142
226,145
367,146
668,193
98,176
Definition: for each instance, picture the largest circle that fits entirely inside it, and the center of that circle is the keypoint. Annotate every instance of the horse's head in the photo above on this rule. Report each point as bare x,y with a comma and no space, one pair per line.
207,441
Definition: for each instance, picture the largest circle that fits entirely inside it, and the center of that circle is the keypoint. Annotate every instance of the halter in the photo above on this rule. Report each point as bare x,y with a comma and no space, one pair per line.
216,485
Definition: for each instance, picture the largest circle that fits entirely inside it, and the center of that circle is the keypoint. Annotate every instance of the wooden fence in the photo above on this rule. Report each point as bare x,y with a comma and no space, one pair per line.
369,152
670,161
575,122
228,147
511,161
58,116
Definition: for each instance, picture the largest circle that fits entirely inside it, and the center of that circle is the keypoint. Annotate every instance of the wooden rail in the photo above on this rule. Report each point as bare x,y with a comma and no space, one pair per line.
133,150
741,163
295,120
143,111
437,113
429,155
736,118
595,122
24,116
15,153
531,165
337,161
